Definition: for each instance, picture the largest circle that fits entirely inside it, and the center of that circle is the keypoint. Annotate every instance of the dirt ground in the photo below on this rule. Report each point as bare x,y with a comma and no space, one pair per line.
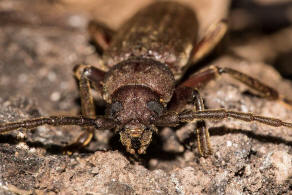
41,41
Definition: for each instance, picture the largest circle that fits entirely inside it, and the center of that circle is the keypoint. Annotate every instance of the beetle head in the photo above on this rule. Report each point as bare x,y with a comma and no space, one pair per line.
135,108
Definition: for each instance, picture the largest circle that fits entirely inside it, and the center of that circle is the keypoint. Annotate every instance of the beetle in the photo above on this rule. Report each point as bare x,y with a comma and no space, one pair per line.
147,58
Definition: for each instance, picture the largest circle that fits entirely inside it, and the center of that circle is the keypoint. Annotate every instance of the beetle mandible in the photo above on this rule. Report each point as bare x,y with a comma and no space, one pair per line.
147,58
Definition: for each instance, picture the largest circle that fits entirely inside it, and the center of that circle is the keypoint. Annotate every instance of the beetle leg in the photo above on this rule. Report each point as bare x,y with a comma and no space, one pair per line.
182,97
86,76
213,36
202,77
100,34
90,73
203,137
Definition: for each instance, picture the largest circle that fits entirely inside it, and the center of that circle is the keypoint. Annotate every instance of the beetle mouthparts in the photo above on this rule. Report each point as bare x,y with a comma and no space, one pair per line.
135,143
136,140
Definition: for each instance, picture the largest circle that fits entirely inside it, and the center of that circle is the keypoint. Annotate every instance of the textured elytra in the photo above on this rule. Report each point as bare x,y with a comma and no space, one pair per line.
163,36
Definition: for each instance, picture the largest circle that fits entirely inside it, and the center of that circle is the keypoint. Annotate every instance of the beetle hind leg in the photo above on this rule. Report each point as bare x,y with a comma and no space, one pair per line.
213,36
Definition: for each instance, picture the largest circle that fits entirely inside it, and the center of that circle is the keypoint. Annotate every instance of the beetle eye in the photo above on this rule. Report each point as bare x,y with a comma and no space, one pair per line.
155,107
115,107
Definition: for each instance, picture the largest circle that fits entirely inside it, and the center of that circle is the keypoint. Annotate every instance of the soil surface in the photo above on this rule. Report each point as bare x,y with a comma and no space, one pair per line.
41,41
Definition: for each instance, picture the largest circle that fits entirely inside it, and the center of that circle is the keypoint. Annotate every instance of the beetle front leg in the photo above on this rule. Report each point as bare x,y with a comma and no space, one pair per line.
87,75
183,96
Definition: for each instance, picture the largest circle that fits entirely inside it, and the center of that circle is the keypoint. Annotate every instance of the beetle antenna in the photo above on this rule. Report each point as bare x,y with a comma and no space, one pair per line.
52,120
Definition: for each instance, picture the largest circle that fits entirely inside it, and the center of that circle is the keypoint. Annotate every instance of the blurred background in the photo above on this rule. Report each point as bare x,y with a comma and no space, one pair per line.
264,26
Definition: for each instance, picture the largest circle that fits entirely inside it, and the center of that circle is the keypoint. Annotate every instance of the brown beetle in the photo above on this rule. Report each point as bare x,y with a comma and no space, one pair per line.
147,58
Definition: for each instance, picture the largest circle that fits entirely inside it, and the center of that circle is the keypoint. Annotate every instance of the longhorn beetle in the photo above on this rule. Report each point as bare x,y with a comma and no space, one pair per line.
146,58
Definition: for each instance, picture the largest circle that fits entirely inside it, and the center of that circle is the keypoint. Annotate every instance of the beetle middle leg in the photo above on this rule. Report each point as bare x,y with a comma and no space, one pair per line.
202,77
183,96
87,75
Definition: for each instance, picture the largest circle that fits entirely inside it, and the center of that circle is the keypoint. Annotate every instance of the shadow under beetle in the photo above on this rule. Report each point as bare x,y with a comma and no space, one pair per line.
146,59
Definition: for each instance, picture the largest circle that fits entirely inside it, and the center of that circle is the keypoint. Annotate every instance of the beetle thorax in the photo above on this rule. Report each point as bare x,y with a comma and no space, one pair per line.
140,71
